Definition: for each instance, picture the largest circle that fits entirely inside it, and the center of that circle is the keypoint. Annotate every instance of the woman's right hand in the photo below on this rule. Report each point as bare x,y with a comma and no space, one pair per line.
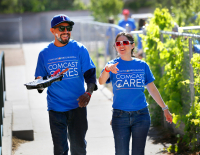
168,116
112,67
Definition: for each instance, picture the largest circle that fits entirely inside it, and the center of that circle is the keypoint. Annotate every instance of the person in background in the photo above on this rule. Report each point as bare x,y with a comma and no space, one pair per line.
110,33
140,52
175,29
127,20
129,76
67,99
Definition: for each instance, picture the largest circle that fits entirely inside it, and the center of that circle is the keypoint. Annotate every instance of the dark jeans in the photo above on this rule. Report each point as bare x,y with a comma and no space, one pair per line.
70,125
127,123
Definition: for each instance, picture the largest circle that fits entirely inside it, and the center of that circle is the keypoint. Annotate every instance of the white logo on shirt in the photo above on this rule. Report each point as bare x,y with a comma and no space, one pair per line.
134,80
72,65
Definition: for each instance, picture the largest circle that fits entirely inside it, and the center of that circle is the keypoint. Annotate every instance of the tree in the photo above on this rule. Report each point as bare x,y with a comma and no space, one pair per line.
103,9
184,12
21,6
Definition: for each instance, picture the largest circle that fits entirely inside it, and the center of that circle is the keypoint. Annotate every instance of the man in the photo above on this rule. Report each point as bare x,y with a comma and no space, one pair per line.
67,99
175,29
127,20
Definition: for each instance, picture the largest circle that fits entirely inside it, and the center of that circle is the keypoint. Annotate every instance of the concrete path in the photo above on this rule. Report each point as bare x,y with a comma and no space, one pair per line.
99,136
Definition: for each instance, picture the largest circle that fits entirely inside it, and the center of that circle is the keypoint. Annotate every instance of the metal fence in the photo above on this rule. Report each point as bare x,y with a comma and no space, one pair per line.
2,95
191,50
189,35
99,40
14,32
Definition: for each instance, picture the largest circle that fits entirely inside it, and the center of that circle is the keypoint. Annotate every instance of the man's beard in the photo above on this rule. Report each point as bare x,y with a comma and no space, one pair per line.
61,40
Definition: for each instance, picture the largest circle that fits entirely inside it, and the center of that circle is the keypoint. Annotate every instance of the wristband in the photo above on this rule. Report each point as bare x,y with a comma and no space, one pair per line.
165,108
88,93
106,70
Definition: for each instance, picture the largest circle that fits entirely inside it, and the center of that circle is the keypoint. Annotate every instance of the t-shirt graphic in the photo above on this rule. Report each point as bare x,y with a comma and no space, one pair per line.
62,63
130,80
129,84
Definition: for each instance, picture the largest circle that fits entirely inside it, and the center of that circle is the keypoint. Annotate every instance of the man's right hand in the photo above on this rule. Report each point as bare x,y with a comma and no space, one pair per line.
39,77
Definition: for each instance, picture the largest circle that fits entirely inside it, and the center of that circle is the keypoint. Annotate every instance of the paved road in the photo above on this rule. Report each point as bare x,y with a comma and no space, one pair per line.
99,136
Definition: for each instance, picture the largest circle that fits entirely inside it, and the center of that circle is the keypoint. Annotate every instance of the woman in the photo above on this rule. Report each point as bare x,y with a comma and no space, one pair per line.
131,117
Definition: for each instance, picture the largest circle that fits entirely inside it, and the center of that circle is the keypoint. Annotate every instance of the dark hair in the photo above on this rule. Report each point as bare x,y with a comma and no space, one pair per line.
129,37
141,23
111,20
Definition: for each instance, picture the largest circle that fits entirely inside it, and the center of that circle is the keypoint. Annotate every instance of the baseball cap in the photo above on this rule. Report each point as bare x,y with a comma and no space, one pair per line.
125,12
61,18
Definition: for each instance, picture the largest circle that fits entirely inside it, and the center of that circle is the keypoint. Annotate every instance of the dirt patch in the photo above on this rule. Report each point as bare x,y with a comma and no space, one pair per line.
13,57
16,143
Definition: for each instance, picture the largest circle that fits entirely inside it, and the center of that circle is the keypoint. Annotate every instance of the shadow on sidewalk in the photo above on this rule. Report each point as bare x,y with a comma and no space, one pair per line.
159,135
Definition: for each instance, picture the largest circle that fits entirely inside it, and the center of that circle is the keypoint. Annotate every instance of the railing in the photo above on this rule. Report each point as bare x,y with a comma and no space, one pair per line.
190,51
17,28
94,36
2,95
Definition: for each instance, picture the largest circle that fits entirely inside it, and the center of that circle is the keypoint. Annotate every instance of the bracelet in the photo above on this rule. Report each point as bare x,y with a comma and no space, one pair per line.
165,108
88,93
106,70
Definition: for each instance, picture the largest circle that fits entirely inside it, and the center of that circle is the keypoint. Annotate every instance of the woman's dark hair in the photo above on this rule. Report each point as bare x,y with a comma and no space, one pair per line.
129,37
141,23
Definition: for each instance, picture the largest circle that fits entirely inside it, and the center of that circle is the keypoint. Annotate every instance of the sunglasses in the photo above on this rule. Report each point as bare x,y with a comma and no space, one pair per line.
125,42
62,28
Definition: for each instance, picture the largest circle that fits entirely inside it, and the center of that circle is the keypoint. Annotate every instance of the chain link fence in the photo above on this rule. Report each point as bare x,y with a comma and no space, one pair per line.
11,32
99,40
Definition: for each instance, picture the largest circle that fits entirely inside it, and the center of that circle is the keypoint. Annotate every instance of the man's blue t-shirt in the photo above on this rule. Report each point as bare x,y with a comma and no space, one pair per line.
128,84
62,96
130,21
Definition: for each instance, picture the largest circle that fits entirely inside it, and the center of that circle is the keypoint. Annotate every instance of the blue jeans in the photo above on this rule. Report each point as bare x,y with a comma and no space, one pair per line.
70,125
130,123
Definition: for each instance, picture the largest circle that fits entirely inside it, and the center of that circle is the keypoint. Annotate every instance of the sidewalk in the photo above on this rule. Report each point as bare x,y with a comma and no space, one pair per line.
99,136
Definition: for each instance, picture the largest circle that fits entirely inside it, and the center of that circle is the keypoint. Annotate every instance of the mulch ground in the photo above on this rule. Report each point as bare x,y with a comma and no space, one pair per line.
16,143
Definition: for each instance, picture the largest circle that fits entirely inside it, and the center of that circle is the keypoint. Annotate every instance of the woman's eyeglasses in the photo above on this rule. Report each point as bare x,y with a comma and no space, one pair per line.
125,42
62,28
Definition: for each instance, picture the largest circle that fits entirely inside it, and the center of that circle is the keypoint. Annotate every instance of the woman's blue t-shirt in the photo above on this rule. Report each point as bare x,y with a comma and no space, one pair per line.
62,96
128,84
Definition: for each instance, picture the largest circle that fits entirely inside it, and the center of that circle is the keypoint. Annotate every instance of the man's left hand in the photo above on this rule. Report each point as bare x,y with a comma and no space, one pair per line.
83,100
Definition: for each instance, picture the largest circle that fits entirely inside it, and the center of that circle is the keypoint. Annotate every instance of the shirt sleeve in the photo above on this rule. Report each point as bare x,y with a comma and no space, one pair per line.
40,68
90,77
148,75
86,61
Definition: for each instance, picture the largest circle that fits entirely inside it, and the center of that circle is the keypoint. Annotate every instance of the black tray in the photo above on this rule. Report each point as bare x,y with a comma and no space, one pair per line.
40,83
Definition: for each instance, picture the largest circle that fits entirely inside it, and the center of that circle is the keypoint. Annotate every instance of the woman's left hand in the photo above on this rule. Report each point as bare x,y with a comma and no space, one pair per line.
168,116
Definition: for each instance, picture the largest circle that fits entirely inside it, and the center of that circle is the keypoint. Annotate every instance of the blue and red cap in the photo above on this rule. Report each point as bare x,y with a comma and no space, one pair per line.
61,18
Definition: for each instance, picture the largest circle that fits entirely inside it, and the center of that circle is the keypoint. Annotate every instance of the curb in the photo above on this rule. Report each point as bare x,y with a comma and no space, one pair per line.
7,129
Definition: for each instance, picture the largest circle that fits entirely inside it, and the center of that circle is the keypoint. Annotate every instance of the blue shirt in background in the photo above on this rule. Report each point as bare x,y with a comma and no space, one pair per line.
129,84
139,46
62,96
110,33
131,23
